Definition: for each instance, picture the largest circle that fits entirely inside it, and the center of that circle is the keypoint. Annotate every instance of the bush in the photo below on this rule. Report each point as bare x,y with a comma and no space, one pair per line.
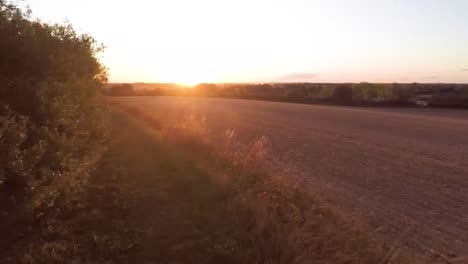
51,130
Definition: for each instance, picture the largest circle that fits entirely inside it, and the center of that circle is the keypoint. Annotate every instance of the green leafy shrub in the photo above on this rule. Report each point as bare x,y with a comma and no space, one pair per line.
51,129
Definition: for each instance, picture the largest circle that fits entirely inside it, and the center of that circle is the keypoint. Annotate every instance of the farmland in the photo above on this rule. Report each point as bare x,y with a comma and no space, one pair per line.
402,169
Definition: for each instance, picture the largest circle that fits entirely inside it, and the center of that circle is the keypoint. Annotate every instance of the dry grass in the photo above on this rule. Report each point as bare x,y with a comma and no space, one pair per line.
263,218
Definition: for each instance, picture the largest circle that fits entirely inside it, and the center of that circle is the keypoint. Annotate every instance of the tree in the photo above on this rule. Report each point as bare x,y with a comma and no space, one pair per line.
343,94
124,89
403,93
206,89
51,130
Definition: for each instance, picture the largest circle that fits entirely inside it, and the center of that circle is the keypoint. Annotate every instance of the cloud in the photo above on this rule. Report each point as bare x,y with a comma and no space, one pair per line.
298,77
464,70
430,78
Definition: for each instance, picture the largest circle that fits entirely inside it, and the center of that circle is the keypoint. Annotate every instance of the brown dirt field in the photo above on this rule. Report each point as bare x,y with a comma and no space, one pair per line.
404,170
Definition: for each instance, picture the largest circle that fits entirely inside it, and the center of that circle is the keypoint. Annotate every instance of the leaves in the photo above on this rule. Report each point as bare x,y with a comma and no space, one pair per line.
51,128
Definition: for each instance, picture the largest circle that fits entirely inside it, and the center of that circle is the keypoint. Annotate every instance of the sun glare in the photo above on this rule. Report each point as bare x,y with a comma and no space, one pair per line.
190,76
188,83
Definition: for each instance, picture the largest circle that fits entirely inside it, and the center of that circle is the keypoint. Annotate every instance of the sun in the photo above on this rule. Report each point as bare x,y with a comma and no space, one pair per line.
188,83
187,78
191,79
190,75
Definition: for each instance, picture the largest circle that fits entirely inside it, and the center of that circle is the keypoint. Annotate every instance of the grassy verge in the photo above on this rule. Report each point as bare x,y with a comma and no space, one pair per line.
194,203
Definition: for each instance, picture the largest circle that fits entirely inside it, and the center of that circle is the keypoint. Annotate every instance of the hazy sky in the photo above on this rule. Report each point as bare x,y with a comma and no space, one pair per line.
192,41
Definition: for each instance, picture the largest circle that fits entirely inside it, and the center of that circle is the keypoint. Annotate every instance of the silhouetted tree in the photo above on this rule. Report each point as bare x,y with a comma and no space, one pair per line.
343,94
206,89
124,89
403,94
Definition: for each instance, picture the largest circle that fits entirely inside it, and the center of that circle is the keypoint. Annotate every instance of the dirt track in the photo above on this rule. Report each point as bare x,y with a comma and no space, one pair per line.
405,170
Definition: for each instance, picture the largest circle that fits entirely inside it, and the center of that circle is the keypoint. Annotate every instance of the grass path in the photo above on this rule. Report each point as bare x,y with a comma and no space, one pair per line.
180,214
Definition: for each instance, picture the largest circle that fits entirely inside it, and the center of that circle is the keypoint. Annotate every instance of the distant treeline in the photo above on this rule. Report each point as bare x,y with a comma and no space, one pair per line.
359,94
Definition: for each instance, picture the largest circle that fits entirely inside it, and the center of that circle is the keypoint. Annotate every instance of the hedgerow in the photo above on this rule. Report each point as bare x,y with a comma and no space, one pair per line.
51,129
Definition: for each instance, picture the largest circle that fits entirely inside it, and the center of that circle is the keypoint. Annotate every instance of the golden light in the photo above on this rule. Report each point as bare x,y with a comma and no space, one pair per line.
188,83
190,76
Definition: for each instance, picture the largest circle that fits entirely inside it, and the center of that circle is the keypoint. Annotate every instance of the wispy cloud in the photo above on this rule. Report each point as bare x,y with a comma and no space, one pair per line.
430,77
298,77
464,70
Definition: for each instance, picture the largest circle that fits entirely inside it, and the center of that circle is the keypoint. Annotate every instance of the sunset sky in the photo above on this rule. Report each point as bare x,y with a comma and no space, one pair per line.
190,41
